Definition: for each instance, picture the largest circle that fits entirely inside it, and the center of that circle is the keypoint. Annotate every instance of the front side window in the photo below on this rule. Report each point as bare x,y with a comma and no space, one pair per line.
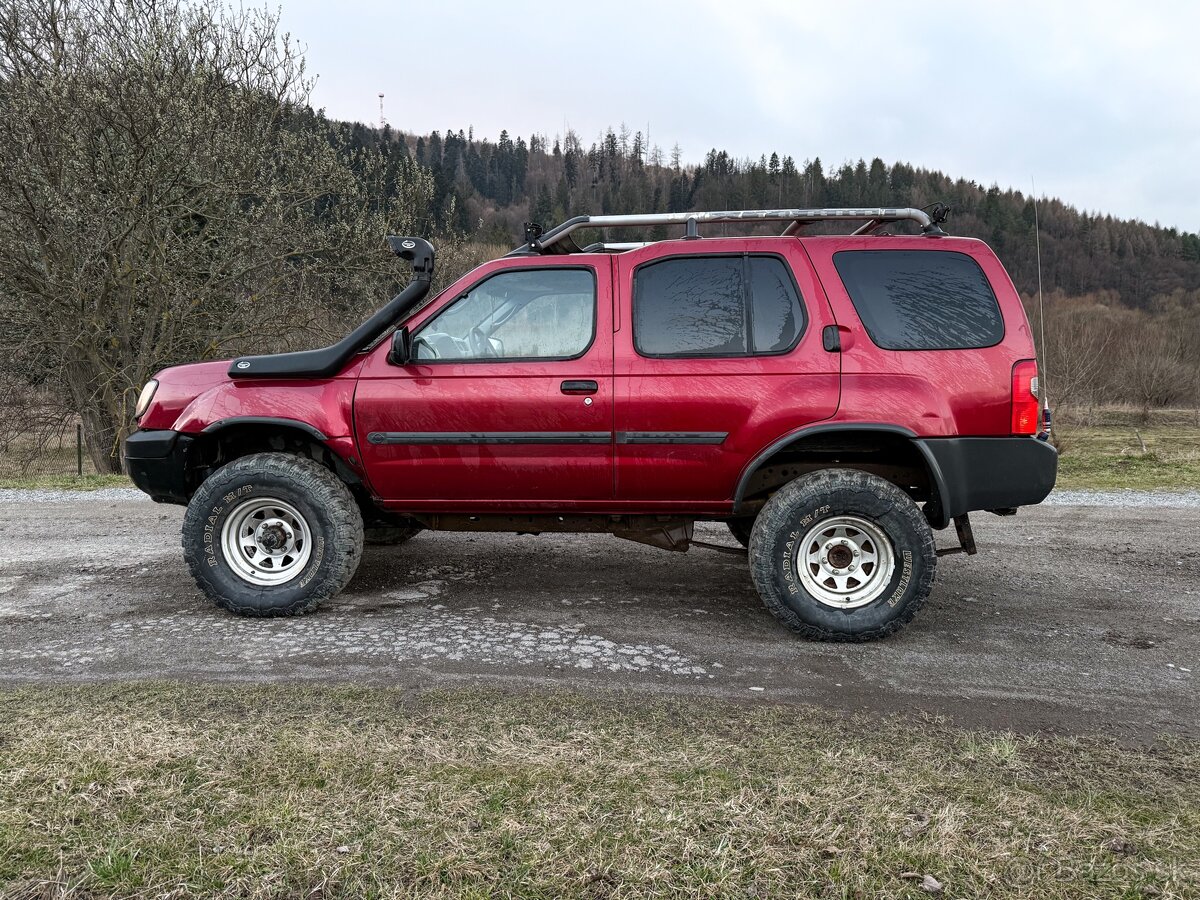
921,299
716,306
519,314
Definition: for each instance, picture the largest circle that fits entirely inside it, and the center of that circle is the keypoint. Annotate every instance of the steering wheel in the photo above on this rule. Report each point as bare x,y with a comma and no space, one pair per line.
480,346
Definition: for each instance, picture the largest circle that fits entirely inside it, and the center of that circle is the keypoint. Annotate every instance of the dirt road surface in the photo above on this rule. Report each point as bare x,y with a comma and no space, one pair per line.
1079,616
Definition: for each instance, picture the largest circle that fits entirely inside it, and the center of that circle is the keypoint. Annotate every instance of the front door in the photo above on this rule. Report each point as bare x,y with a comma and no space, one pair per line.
507,402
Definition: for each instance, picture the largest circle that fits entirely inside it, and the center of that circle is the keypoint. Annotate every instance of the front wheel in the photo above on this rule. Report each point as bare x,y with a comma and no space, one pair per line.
842,555
272,534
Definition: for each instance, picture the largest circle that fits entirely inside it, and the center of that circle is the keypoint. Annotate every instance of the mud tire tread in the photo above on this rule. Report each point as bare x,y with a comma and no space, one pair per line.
310,481
845,491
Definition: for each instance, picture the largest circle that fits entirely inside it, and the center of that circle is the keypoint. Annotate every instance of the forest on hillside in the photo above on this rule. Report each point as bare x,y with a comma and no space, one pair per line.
1122,306
488,189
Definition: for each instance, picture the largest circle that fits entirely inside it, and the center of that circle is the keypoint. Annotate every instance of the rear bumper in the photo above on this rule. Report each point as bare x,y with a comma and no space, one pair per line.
988,473
158,464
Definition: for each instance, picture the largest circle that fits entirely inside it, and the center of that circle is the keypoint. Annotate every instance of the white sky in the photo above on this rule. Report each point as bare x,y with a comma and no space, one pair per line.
1098,101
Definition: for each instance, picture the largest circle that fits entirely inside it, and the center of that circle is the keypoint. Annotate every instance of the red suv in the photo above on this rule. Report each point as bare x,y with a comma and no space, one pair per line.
832,399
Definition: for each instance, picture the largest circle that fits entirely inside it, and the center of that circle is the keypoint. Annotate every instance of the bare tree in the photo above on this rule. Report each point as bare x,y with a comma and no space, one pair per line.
1154,367
1081,336
167,194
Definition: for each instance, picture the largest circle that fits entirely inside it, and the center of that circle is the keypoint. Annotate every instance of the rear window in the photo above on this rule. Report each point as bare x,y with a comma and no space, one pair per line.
920,299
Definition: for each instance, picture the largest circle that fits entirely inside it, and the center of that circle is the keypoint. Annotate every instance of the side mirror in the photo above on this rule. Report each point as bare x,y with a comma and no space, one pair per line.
401,352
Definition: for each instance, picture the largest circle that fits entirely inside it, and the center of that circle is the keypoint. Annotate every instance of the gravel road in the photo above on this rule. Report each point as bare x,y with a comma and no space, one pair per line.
1080,616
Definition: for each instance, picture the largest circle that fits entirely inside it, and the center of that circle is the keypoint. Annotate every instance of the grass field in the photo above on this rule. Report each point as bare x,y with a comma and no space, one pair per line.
1152,457
174,790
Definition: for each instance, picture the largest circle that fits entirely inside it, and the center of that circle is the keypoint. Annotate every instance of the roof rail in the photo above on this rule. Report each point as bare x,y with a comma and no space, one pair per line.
796,219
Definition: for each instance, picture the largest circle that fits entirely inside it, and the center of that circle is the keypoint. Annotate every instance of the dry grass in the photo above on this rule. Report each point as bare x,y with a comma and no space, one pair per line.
176,790
66,482
1120,455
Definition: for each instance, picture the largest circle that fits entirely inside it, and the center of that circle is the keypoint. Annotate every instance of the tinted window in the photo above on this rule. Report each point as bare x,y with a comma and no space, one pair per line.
921,300
523,314
715,306
776,316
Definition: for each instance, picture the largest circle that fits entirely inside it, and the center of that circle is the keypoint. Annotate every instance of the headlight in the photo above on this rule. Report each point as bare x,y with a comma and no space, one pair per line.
144,398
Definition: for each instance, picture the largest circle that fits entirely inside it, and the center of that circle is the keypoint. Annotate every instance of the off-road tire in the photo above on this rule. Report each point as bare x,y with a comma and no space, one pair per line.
741,528
796,509
317,493
390,535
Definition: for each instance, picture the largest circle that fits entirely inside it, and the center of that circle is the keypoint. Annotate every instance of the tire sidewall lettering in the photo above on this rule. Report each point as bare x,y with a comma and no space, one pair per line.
786,548
214,520
314,564
905,578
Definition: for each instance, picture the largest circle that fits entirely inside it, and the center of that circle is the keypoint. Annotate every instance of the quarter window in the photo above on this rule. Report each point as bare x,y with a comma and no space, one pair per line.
921,299
521,314
716,306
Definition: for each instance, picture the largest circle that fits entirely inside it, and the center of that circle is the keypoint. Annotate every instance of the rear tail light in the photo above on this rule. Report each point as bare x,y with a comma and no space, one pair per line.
1025,411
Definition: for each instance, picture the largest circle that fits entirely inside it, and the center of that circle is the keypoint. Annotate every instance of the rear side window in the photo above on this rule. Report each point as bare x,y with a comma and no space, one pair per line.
716,306
921,300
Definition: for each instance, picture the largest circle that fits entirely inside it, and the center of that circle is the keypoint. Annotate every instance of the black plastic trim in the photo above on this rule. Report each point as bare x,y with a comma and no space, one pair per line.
991,472
379,438
150,444
831,428
222,424
965,473
157,462
671,437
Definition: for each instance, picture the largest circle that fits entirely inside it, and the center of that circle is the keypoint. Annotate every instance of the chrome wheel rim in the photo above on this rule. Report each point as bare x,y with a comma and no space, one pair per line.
266,541
845,562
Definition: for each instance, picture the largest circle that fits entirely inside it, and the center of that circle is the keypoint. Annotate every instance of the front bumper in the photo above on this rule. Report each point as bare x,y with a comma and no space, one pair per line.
973,473
158,463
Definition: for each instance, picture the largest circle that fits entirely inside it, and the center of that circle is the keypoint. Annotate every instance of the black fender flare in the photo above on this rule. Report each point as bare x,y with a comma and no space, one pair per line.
936,478
222,424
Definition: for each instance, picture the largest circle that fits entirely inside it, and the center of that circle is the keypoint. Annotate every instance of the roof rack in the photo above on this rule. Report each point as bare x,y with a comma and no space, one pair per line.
555,240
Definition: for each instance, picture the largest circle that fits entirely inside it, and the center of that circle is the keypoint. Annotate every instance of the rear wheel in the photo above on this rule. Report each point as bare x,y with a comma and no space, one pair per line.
272,534
842,555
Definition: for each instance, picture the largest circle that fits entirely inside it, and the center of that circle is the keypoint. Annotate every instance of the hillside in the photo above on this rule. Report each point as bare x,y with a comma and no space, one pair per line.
488,189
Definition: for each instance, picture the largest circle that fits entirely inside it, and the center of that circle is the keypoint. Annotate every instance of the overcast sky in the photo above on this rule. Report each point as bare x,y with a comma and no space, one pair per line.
1097,101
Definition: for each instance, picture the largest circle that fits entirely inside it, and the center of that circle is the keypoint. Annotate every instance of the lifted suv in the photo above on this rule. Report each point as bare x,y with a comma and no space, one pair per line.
832,399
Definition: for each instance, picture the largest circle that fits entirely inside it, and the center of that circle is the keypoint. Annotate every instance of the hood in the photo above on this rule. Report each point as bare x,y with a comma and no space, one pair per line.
178,386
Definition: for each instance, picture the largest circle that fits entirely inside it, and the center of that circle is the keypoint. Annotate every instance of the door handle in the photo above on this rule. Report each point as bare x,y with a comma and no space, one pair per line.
831,340
579,387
